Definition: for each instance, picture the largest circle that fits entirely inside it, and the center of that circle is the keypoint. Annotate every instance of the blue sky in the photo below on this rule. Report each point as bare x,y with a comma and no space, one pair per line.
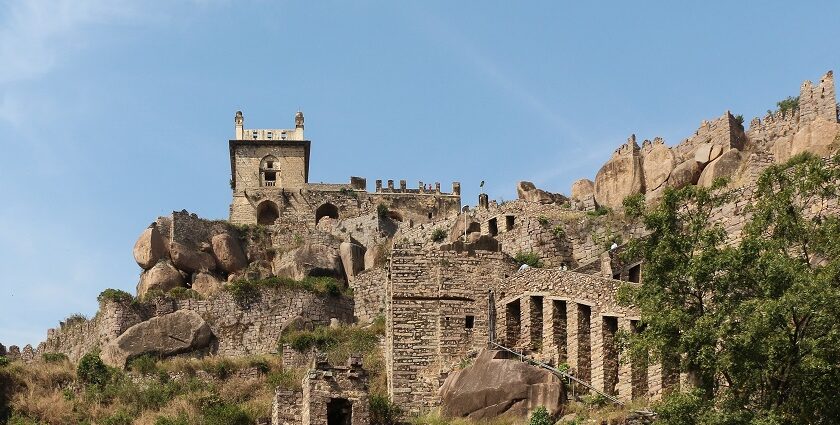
113,112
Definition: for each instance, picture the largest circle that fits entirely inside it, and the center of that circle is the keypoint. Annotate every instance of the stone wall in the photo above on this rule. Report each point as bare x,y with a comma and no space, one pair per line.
239,329
436,303
369,294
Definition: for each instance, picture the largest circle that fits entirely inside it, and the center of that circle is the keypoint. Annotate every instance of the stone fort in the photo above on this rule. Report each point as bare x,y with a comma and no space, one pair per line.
445,280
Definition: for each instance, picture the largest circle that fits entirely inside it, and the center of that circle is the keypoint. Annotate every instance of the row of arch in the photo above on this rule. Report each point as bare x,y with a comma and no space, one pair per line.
268,212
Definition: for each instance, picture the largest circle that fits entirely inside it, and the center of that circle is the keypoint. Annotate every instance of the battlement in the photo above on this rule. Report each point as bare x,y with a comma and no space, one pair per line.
422,188
241,133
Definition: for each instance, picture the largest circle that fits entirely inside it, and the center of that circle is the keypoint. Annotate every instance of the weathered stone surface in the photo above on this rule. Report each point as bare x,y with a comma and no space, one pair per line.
311,259
495,386
528,191
657,166
228,252
685,174
819,137
373,254
191,260
149,248
702,154
457,232
717,150
620,177
173,333
163,277
725,166
206,284
582,189
352,259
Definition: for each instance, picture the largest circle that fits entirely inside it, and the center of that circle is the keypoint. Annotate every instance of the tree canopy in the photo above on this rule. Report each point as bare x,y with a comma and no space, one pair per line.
752,319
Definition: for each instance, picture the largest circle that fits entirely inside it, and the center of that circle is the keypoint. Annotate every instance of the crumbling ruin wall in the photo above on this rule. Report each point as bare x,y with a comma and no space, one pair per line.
240,328
436,306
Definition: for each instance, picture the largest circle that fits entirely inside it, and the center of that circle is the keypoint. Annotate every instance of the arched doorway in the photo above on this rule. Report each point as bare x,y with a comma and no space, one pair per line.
267,213
326,210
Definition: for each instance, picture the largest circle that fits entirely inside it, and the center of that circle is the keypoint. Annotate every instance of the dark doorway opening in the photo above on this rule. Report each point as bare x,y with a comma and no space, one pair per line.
635,274
267,213
493,227
326,210
509,222
339,412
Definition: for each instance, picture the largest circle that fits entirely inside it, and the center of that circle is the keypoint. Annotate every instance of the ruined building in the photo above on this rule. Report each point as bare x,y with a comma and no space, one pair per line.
447,282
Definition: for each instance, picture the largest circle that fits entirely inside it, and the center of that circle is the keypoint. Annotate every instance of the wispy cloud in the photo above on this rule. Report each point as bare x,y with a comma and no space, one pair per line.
35,35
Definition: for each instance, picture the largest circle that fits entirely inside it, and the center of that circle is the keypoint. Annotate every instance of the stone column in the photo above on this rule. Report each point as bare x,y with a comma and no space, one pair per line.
625,372
597,337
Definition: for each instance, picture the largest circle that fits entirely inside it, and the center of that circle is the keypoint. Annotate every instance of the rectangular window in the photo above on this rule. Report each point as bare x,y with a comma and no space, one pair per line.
509,222
493,227
635,273
469,322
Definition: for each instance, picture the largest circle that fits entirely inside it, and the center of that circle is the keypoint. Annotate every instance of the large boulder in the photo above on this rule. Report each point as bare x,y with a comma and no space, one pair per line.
685,174
174,333
191,260
620,177
707,152
819,137
657,166
374,255
528,191
494,385
311,259
583,189
352,258
228,252
149,248
206,284
723,167
162,277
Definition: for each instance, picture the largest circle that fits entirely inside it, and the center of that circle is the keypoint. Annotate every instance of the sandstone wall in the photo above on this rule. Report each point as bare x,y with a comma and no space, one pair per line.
369,294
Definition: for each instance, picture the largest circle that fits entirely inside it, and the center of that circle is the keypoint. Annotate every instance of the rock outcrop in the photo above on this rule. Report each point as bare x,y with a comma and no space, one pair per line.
495,385
311,259
658,162
528,191
621,176
191,260
162,277
206,284
170,334
150,248
352,259
228,252
723,167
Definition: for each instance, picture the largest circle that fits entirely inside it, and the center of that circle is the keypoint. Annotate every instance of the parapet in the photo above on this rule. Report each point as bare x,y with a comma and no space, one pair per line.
818,101
242,133
422,188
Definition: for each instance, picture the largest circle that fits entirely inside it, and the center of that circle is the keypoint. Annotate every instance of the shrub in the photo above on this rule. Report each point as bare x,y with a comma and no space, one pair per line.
54,357
599,211
121,417
383,411
4,361
438,235
740,119
559,231
181,293
224,414
92,371
788,105
144,365
115,295
222,369
248,291
543,220
382,210
75,318
260,364
529,258
288,379
180,420
540,416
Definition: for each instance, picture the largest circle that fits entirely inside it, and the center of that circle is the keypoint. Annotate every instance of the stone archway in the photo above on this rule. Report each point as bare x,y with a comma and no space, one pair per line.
326,210
267,213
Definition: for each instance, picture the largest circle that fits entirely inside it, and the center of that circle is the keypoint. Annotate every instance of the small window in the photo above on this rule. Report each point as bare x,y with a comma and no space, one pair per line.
509,222
617,276
469,322
270,176
430,215
493,227
269,164
254,134
283,135
635,274
268,135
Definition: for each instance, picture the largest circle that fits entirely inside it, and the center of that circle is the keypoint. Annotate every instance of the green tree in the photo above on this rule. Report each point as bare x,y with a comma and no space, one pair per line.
755,323
540,416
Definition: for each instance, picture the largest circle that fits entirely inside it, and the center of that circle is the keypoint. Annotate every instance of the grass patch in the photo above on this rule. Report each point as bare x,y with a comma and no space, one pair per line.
248,291
438,235
529,258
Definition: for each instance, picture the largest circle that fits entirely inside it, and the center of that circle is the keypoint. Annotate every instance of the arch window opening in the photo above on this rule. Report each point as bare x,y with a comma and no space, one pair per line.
268,172
326,210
